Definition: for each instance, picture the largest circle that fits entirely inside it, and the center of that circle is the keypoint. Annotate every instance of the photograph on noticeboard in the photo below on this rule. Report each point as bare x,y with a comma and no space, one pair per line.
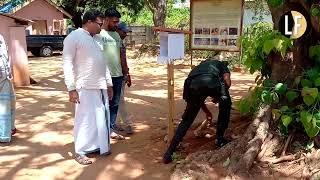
215,31
202,41
223,42
206,31
215,41
198,30
232,42
233,31
224,31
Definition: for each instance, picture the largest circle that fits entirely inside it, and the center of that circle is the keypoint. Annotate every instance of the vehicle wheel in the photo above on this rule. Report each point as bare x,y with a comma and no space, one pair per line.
46,51
35,52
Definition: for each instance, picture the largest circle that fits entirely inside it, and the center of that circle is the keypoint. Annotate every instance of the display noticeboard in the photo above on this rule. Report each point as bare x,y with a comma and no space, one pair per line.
216,24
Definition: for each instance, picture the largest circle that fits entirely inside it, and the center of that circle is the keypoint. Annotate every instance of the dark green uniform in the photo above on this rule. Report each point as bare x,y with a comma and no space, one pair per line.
204,80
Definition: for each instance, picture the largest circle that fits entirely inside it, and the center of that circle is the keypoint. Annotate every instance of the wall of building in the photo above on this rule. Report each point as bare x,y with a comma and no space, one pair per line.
14,35
41,10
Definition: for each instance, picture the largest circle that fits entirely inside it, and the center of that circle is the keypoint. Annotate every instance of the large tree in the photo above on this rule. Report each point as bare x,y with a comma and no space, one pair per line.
159,11
285,63
77,7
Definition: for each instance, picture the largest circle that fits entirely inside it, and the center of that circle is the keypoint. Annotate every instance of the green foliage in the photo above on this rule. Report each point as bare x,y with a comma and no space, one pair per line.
133,6
276,3
176,157
260,9
233,60
286,120
306,110
309,146
281,88
301,104
251,103
144,18
176,17
309,123
306,83
14,3
128,8
291,96
315,10
297,107
314,53
258,41
266,97
278,45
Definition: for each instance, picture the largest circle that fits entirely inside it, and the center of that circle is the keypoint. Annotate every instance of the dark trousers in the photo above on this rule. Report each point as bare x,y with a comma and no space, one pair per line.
195,99
114,103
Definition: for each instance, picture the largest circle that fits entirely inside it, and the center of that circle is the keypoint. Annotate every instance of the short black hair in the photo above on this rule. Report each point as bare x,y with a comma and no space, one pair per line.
112,12
91,15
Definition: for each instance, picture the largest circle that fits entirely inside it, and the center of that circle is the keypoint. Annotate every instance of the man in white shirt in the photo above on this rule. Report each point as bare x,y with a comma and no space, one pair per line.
89,84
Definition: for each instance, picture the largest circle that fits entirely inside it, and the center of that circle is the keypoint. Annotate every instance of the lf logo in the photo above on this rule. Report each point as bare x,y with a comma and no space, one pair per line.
293,24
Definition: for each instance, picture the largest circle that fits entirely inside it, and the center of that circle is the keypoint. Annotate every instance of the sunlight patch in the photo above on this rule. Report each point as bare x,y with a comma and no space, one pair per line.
51,138
151,93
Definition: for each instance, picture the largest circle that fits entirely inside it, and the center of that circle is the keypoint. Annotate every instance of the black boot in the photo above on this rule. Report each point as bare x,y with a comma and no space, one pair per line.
167,157
221,142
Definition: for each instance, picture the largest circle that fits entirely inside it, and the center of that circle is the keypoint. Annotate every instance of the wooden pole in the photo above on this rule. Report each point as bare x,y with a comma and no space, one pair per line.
191,65
170,76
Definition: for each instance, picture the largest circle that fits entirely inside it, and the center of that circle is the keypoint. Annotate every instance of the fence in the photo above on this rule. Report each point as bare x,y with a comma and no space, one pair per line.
139,35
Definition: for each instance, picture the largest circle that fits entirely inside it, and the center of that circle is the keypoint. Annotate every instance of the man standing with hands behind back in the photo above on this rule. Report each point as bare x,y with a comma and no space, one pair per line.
88,80
127,120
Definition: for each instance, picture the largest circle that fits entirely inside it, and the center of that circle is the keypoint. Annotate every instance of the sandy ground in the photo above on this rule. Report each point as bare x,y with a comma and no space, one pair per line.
43,145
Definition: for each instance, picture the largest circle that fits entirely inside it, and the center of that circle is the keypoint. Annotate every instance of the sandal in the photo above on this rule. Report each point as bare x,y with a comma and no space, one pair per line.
13,131
118,128
106,153
83,159
116,136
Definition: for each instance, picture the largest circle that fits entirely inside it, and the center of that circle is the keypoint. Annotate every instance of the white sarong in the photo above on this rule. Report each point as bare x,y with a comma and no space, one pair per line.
92,122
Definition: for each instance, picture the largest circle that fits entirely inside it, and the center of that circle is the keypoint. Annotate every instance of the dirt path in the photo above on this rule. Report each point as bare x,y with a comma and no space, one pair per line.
43,146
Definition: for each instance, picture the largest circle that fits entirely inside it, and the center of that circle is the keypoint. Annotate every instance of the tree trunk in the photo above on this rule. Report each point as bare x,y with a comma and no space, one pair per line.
159,11
73,7
297,59
159,18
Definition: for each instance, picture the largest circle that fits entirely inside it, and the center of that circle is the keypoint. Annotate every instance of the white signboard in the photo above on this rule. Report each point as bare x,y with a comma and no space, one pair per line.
171,47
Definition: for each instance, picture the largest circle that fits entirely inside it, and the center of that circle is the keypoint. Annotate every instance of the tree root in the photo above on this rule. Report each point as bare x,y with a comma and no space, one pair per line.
315,174
297,160
242,151
264,147
250,145
281,159
287,144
